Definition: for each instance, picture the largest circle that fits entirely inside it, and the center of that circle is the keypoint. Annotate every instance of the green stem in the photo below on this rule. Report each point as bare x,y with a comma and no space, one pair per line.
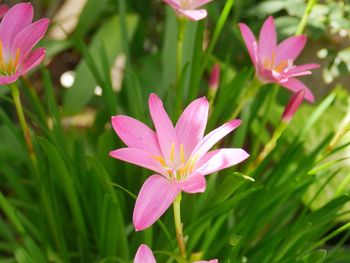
178,226
306,14
20,113
247,95
180,40
269,146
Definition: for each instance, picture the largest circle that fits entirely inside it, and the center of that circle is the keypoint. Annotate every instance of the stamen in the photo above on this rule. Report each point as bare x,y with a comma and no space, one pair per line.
182,153
281,66
159,159
16,59
273,59
9,66
172,152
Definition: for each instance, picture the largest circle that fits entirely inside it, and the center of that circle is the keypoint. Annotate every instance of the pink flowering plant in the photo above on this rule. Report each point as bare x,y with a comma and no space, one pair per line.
176,131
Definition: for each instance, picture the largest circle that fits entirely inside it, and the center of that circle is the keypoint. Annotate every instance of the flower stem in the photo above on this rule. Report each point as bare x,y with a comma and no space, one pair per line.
306,14
178,226
269,146
247,95
179,49
26,133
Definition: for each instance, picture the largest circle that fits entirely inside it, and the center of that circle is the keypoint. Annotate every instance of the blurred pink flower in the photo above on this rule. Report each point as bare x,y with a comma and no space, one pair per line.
214,77
293,105
18,36
189,8
144,255
275,63
179,155
3,9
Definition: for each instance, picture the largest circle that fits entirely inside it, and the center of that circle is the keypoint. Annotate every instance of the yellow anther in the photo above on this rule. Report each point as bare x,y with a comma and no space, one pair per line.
159,159
273,57
9,66
16,59
172,152
182,153
281,66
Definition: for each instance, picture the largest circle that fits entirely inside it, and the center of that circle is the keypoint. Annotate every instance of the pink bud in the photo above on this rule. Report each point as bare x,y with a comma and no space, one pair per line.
214,77
3,9
293,105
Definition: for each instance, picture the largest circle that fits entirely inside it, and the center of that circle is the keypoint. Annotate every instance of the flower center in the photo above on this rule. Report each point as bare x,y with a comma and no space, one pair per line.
177,166
282,67
8,66
185,3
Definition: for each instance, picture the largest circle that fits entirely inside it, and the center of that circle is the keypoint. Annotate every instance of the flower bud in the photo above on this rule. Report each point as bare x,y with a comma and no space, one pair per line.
293,106
214,78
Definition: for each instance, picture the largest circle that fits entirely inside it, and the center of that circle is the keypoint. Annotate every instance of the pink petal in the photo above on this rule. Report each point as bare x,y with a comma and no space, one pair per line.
139,158
293,105
8,79
296,85
173,3
220,159
144,255
135,134
3,9
267,38
194,15
154,198
17,18
302,68
213,137
27,38
214,77
191,125
198,3
250,42
290,48
165,130
205,261
33,60
195,183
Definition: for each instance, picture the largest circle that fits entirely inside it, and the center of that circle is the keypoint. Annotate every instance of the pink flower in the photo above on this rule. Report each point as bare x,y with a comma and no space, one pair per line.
189,8
275,63
293,106
18,36
144,255
179,155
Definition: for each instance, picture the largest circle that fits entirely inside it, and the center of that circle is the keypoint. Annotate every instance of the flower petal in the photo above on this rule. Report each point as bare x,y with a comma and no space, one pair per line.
213,137
33,60
144,255
8,79
302,68
250,42
194,15
205,261
290,48
139,158
154,198
173,3
28,37
165,130
17,18
198,3
296,85
267,38
195,183
191,125
220,159
135,134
